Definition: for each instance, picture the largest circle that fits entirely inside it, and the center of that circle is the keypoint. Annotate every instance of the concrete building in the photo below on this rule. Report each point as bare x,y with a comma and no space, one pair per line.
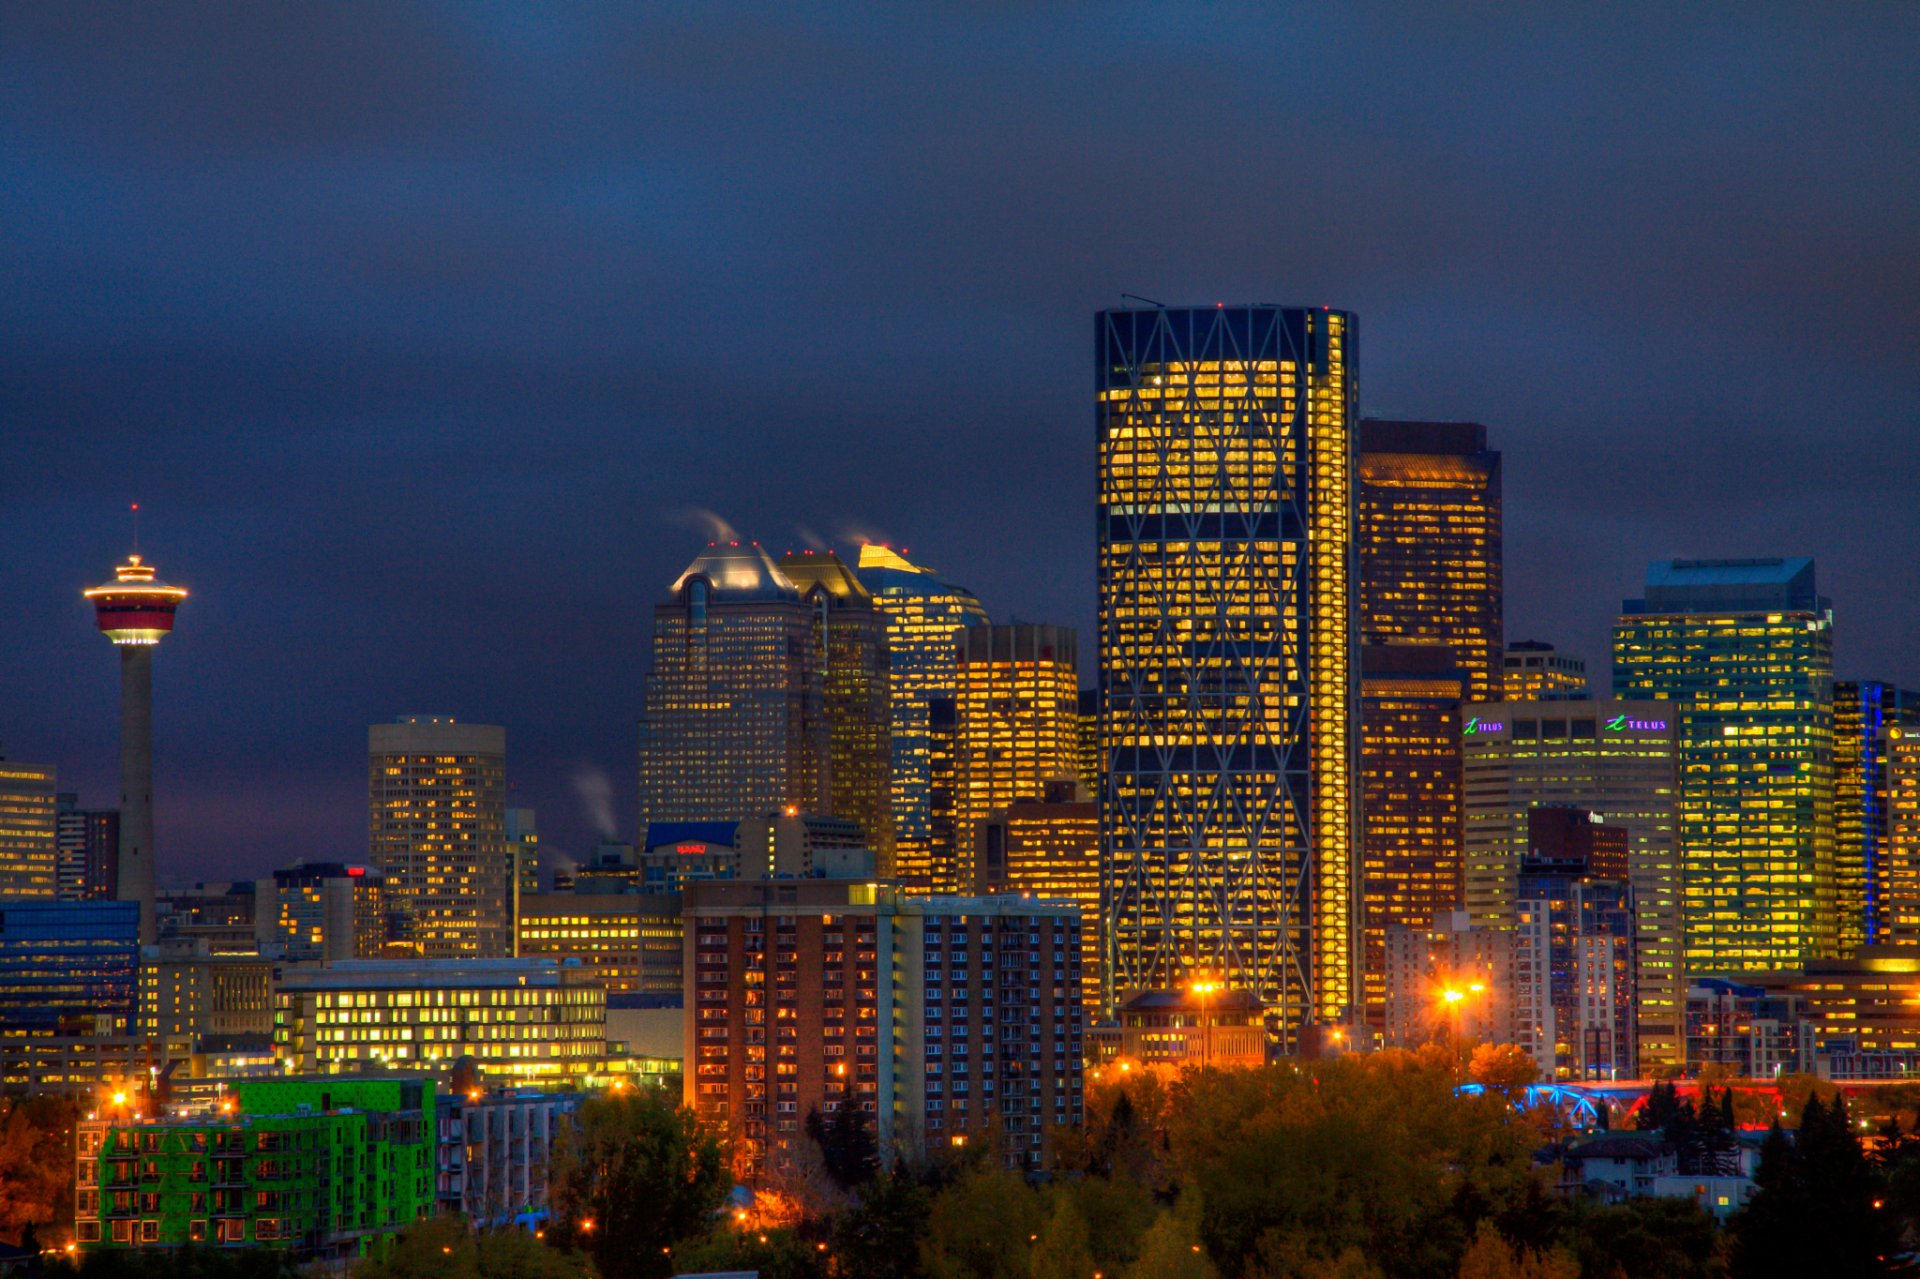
494,1165
1429,528
437,832
1411,828
628,942
1534,671
186,993
944,1019
220,917
523,856
1742,652
1048,849
522,1021
1226,548
87,842
1451,982
323,910
29,858
1171,1030
1574,997
1751,1031
1018,728
1613,758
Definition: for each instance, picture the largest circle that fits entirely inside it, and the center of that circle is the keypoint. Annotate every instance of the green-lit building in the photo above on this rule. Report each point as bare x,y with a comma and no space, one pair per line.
1744,648
331,1168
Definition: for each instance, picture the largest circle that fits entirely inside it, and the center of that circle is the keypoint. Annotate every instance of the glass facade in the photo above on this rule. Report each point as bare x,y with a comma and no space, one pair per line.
1897,875
1226,596
28,849
924,615
1534,672
438,832
68,967
1743,649
1017,728
1864,714
628,942
1430,543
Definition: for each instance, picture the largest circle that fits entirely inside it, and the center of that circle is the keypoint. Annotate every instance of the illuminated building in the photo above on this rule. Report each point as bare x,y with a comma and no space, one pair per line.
1869,1004
1613,758
523,855
1017,725
29,857
628,942
1087,714
136,612
782,844
438,831
1048,849
219,918
1410,808
1228,704
1166,1030
733,703
1430,543
86,1063
944,1019
1753,1032
325,910
68,968
523,1020
327,1170
1535,672
1742,652
185,995
941,865
923,612
1865,714
1573,997
1897,877
495,1164
88,848
852,655
1451,981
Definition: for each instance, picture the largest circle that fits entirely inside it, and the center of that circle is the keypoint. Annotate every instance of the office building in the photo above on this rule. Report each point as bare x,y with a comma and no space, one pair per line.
1018,727
86,1064
1865,716
328,1170
923,613
1897,876
1167,1031
220,917
1087,715
29,858
437,832
1613,758
1225,480
135,612
1868,1005
1430,543
186,994
628,942
779,844
323,910
87,842
1452,981
68,968
1410,810
1742,651
1574,990
850,650
944,1019
523,855
1750,1031
1048,849
524,1021
495,1165
1536,672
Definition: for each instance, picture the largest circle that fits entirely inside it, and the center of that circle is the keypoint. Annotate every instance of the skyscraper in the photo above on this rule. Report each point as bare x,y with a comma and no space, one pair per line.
29,858
1744,651
1017,725
1048,849
437,832
851,653
87,841
136,611
1863,714
1534,672
1225,441
924,614
1897,879
1410,825
1430,543
1613,758
734,697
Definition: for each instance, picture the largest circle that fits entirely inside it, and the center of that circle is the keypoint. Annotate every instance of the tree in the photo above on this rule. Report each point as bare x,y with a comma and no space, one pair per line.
982,1227
1169,1250
1118,1211
1646,1238
1065,1248
1490,1256
1506,1069
633,1176
772,1254
36,1168
1813,1208
880,1236
847,1148
443,1248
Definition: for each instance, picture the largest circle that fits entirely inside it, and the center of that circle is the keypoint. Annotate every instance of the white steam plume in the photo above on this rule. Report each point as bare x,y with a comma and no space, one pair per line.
595,791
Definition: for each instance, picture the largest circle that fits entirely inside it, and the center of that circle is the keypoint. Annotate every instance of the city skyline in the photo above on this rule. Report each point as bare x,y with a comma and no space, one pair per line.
454,415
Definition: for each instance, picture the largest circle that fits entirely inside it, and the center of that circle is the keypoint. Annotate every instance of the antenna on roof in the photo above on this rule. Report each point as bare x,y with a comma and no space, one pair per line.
1135,297
136,528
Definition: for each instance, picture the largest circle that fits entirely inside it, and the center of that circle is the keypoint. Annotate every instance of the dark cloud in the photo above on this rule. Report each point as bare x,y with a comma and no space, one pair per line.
421,329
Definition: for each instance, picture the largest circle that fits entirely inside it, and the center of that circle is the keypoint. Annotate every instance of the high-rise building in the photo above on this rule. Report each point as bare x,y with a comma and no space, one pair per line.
1430,543
323,910
1088,714
1410,808
852,655
29,857
924,614
1018,725
437,832
1450,981
1536,672
1225,473
1897,878
1743,652
1574,999
68,968
628,942
87,841
136,612
1048,849
1864,714
734,696
1613,758
523,854
942,1019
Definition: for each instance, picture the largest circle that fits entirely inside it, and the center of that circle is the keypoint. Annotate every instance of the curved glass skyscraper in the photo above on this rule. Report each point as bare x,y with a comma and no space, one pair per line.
1226,547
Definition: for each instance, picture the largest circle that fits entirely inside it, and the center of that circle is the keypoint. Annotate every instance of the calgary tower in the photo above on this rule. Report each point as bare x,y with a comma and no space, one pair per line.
135,611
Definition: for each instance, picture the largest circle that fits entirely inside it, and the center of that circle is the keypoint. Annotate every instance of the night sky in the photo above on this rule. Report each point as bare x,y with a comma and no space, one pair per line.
427,336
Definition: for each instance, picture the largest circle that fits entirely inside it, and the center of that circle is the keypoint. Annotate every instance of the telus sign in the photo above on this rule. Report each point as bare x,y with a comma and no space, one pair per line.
1621,724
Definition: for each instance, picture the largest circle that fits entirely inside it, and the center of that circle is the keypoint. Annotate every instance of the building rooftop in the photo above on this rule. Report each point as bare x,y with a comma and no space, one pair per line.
823,569
411,974
739,572
1389,435
1723,586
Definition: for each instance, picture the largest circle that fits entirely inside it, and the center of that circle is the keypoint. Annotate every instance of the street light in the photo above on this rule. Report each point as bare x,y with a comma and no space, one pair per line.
1205,989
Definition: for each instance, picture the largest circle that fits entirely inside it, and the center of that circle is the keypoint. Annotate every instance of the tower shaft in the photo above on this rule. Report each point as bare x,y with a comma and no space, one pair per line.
136,783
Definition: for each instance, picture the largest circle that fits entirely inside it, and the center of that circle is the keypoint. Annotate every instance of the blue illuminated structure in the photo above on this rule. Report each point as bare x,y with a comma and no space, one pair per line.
68,967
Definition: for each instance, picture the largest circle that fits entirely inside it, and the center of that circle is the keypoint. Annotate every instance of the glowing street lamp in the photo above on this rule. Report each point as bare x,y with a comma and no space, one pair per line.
1205,989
